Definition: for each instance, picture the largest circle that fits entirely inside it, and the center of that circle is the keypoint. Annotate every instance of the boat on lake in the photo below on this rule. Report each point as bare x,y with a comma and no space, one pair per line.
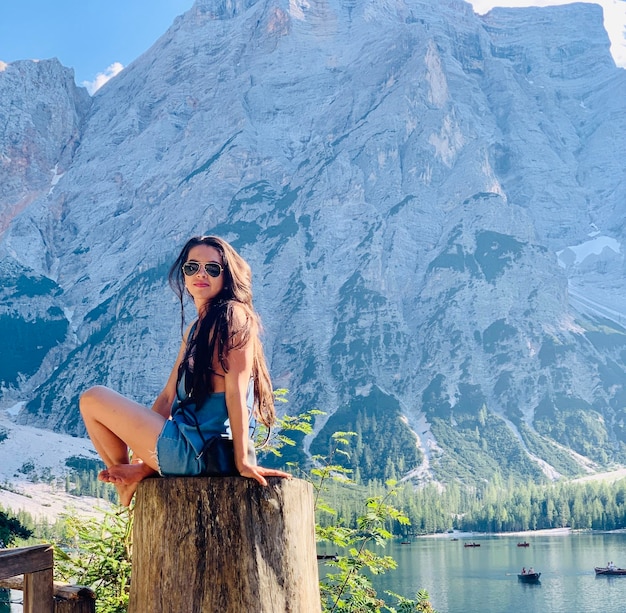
529,577
606,570
524,544
471,544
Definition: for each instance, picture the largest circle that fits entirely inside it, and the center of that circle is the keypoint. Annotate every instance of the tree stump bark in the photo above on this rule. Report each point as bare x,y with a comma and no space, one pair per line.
224,545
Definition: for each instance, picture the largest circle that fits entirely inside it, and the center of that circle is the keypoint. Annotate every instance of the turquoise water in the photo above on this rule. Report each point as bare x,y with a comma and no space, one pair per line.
484,579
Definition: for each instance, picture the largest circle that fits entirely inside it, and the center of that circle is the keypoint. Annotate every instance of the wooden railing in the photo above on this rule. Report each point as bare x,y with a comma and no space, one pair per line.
41,594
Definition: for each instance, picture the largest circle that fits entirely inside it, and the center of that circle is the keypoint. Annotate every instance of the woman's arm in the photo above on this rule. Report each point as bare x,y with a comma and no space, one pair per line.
236,380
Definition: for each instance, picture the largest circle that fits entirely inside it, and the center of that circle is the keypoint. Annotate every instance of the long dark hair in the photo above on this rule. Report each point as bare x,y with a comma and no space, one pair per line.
216,333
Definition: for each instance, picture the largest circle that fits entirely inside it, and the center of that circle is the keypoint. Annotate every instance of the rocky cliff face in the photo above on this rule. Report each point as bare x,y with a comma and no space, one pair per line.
431,202
41,115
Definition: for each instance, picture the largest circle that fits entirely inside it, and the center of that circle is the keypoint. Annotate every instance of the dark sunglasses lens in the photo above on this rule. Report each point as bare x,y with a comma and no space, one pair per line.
191,268
213,269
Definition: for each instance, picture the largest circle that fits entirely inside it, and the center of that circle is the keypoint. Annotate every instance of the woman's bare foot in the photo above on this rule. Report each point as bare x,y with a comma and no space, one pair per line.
125,474
125,478
126,493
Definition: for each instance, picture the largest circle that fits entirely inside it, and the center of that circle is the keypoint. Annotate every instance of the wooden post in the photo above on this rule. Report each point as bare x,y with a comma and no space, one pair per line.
224,544
74,599
67,598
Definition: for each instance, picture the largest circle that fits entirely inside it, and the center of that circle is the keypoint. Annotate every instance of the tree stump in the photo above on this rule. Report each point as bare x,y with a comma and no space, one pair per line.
224,545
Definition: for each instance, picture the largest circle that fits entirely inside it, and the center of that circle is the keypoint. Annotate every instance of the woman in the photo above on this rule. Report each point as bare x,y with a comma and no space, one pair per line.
207,389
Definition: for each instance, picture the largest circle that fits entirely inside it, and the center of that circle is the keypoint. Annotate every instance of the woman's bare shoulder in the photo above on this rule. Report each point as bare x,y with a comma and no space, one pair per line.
242,313
244,324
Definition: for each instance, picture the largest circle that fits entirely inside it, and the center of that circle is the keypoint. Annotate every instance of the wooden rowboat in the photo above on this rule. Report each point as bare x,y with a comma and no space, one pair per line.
529,577
609,571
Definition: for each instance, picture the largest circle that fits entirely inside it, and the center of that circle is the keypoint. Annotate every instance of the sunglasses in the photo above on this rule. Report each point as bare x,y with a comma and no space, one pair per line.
213,269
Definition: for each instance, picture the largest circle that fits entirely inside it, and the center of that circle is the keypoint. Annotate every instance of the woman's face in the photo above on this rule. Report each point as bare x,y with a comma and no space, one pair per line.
201,285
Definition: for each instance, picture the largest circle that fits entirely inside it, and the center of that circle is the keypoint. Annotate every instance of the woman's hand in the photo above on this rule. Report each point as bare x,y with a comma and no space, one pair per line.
259,473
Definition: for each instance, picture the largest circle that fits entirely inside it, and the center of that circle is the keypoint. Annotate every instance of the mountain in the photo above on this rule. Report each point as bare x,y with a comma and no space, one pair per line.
431,202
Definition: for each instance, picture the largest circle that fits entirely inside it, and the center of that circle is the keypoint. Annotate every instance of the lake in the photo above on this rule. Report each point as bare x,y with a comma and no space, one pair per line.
484,579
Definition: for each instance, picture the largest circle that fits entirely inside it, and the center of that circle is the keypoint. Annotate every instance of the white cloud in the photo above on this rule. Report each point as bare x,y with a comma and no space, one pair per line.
614,18
102,78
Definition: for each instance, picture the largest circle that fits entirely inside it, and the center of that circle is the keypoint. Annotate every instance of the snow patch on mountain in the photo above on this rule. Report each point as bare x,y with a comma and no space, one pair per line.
33,470
577,254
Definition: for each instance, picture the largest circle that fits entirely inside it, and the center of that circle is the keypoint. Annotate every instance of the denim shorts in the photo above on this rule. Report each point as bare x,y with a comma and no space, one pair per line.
174,453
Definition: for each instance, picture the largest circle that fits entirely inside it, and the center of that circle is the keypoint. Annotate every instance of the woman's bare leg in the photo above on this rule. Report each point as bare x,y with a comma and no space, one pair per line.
115,423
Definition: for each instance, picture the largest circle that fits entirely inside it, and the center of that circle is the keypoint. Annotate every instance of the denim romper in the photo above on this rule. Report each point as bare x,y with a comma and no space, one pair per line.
180,442
184,434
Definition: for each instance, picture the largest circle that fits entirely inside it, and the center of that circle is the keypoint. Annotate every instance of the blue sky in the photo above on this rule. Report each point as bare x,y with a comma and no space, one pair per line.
97,38
86,35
